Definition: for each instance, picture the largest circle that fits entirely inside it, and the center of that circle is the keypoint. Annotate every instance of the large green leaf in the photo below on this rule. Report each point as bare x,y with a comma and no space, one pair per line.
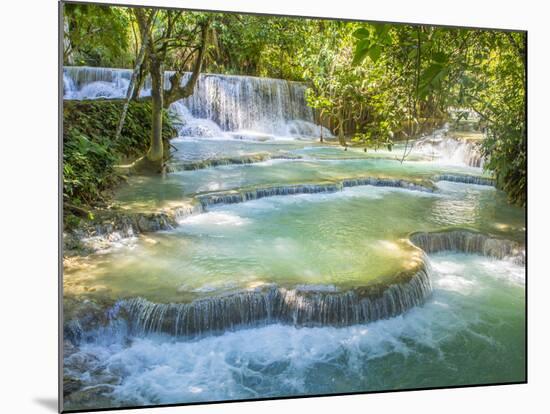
361,33
361,50
375,52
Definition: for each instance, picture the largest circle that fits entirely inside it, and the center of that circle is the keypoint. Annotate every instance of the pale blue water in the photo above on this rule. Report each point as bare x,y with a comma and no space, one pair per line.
470,331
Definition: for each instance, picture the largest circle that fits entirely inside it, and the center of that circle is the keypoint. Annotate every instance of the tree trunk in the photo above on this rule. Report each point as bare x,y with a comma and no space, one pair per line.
135,72
321,126
341,138
140,81
156,153
161,99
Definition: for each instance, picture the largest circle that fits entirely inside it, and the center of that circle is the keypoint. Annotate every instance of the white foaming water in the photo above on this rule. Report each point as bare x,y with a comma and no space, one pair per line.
450,187
269,361
104,244
277,202
280,360
214,218
271,162
451,277
450,151
251,108
505,270
306,129
189,126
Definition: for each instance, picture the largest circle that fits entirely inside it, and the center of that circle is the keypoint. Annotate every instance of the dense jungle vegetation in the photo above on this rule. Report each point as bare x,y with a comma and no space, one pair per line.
371,84
90,155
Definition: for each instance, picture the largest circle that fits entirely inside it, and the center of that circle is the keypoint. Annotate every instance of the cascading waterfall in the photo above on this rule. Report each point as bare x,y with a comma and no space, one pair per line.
466,241
236,160
465,179
93,83
116,228
299,306
386,182
450,150
232,197
167,335
245,106
302,305
189,126
242,103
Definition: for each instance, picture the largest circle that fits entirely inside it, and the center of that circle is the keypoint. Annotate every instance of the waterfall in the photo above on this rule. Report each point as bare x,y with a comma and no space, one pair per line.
233,196
92,83
299,307
216,162
386,182
242,103
466,241
189,126
465,178
236,160
451,151
302,305
243,106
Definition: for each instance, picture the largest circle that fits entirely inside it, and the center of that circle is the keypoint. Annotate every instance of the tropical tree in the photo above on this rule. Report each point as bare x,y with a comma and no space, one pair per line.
176,39
441,68
95,35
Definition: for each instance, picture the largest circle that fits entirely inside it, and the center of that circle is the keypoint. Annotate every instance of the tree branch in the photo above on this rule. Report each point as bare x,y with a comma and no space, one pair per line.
137,68
176,91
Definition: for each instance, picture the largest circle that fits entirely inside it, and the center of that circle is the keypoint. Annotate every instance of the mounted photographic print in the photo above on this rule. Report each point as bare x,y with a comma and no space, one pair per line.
259,207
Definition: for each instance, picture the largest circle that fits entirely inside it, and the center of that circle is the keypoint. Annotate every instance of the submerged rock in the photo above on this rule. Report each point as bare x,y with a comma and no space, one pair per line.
112,227
90,397
70,385
82,315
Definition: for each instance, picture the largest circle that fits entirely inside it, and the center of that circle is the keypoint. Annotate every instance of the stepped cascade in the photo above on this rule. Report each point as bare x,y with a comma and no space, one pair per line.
261,245
272,305
450,150
335,207
469,242
246,106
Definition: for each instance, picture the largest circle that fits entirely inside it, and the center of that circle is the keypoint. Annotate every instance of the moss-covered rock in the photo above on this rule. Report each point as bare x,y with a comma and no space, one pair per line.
108,226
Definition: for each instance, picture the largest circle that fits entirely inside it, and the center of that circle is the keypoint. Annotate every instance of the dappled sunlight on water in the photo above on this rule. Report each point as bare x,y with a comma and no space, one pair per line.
441,319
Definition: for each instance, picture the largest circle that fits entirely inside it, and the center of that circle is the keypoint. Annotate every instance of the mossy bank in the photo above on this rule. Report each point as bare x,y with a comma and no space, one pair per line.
91,154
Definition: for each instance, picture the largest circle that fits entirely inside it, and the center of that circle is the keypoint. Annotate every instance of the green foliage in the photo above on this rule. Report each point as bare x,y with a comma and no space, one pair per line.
496,91
441,69
373,83
96,35
371,42
259,45
355,96
90,155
